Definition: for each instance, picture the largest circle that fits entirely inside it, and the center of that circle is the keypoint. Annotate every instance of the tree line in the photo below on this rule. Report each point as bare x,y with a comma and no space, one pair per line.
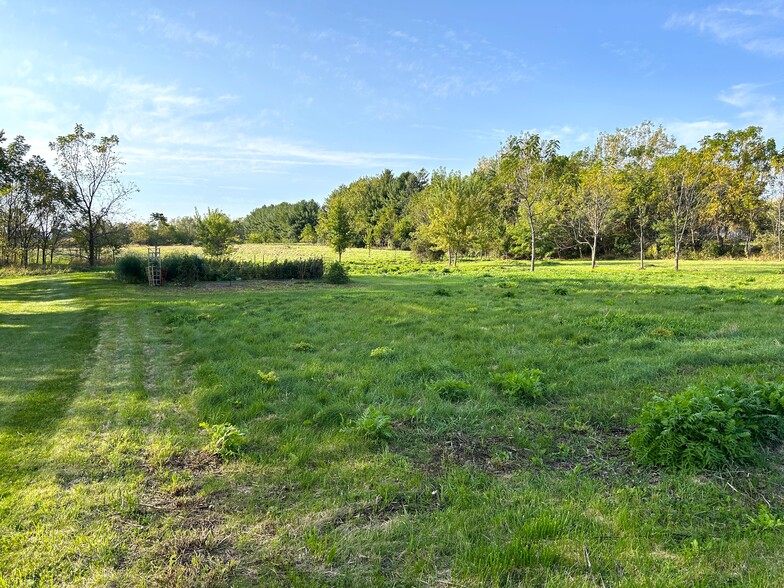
635,192
40,210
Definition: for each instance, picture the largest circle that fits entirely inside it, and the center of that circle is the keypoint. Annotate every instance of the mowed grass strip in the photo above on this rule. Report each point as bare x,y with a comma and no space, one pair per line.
380,445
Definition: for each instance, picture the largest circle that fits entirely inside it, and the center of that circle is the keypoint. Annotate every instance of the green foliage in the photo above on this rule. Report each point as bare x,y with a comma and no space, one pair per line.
560,291
451,389
336,274
336,226
381,352
268,378
705,427
525,384
216,233
441,291
183,268
301,346
225,439
373,424
765,520
131,269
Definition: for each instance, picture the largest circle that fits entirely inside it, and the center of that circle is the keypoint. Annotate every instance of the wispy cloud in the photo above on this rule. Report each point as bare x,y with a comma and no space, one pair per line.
756,107
754,26
690,133
178,31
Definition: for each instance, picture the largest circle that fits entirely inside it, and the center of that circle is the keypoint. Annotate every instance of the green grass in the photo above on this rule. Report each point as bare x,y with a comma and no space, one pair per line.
358,467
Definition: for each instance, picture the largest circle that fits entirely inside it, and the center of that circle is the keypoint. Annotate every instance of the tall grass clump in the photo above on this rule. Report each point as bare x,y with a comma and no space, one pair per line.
131,269
705,427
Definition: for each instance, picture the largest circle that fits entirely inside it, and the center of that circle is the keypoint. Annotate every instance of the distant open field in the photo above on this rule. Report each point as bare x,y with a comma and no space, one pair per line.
379,448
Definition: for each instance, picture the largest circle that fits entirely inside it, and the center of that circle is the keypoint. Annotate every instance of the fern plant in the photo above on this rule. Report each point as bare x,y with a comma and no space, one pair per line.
709,427
373,424
525,384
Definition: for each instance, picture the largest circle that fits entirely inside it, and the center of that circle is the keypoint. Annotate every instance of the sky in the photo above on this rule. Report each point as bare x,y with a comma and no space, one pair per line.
236,104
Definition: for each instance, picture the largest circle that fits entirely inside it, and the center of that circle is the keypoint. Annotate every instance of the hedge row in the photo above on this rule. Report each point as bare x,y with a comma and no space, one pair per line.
182,268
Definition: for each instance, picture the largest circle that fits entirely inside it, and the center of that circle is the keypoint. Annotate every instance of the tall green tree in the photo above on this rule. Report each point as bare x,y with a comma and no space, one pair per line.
740,163
456,209
336,226
215,232
92,167
681,179
528,172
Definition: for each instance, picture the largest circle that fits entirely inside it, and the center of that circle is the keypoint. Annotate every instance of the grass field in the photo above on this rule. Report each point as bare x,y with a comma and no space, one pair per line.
377,450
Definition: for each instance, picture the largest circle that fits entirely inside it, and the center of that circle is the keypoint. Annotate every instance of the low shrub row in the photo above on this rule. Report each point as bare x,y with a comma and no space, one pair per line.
182,268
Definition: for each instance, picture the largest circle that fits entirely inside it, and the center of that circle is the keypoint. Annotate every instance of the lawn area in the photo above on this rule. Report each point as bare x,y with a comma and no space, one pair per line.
379,448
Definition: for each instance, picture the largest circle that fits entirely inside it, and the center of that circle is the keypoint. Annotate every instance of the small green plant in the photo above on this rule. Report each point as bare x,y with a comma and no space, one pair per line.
524,384
301,346
765,520
472,309
380,352
268,378
709,427
441,291
373,424
336,274
661,333
560,291
451,390
225,439
776,300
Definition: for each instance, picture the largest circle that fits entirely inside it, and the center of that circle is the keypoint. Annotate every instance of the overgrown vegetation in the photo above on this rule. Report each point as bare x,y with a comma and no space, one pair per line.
710,427
183,268
414,467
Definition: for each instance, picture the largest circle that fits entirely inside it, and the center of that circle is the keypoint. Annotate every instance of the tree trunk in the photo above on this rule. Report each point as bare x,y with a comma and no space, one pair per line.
642,246
593,251
533,241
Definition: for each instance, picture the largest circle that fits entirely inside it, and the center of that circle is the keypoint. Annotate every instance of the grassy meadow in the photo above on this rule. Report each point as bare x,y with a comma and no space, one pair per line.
371,442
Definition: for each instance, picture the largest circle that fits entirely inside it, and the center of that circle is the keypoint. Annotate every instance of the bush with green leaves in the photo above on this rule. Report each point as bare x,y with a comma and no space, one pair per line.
381,352
373,424
268,378
525,384
336,274
131,269
703,427
451,389
225,439
183,268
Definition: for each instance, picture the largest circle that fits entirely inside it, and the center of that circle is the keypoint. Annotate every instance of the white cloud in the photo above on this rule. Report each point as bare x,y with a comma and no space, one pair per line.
17,99
757,108
690,133
754,26
176,31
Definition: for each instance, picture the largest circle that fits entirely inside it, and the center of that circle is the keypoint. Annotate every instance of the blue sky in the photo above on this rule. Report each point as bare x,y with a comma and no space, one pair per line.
236,104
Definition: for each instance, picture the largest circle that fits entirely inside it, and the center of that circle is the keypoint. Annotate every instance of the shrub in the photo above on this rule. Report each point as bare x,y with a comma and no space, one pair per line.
373,424
225,439
560,291
131,269
451,390
709,427
524,384
336,274
381,352
441,291
183,268
268,378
